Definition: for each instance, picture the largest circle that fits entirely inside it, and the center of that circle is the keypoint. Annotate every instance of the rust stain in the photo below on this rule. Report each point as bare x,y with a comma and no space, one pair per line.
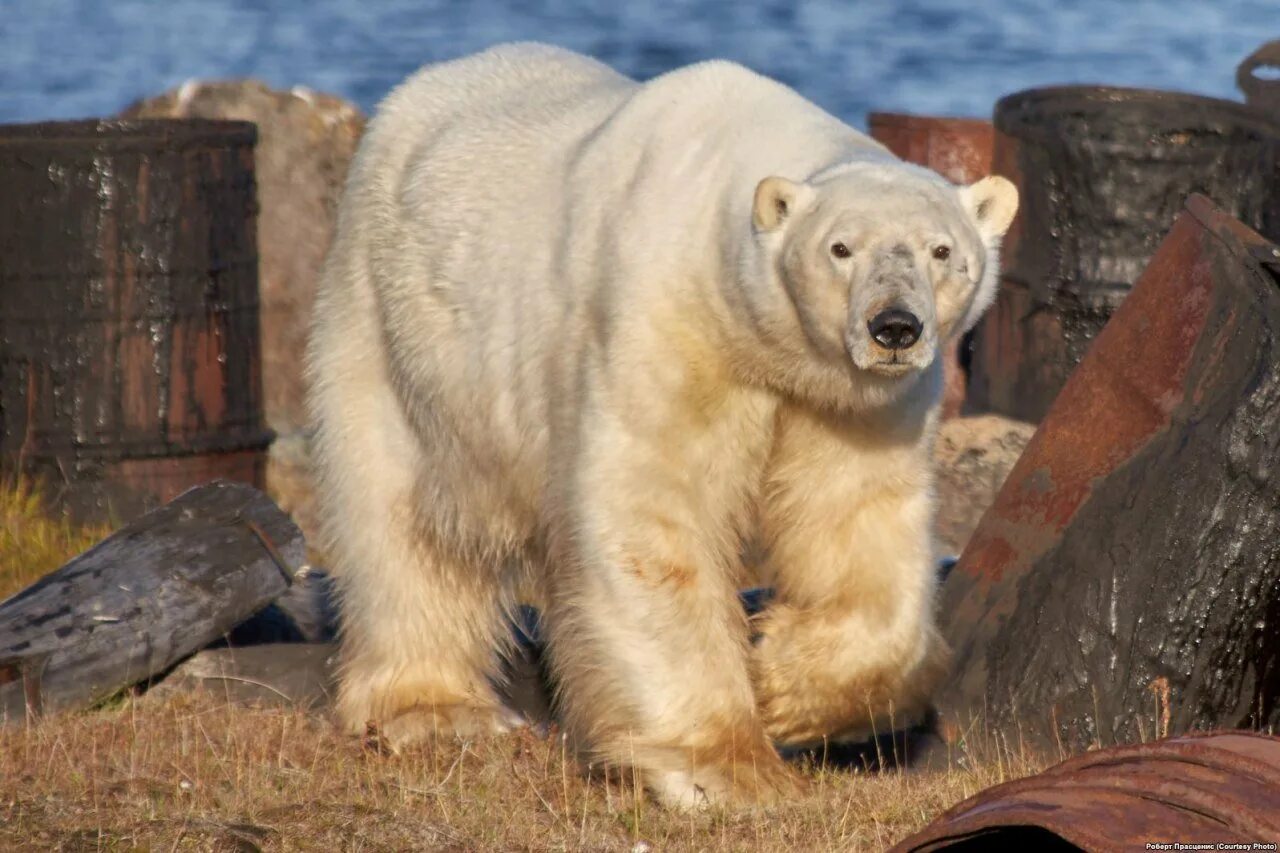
166,477
987,556
270,548
660,573
143,186
136,377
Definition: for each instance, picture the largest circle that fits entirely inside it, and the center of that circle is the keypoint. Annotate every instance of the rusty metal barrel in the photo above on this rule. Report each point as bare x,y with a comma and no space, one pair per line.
1101,172
1210,789
959,149
1126,580
129,351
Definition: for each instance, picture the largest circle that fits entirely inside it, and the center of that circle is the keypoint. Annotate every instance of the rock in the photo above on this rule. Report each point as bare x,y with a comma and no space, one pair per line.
290,484
297,675
305,143
973,455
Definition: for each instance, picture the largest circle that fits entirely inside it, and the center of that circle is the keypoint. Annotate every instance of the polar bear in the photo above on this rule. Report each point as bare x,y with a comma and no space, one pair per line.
576,339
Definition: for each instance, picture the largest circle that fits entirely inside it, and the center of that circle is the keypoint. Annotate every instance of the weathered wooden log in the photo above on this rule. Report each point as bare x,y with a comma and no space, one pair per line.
306,613
1126,581
132,606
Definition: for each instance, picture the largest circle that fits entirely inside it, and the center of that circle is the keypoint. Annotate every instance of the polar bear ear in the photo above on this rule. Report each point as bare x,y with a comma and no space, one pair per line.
776,199
991,202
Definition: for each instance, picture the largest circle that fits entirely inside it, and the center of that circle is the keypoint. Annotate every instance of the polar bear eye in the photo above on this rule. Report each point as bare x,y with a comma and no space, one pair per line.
840,250
942,252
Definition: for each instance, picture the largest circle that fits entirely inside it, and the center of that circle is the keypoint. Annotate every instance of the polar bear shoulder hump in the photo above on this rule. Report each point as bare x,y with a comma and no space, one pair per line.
517,67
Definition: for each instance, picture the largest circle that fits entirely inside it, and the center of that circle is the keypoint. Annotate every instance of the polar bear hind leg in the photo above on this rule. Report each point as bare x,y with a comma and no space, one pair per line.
422,629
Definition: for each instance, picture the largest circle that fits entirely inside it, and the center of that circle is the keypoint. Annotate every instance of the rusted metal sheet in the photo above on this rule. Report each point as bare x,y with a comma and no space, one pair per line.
1136,543
959,149
1101,173
129,352
1215,788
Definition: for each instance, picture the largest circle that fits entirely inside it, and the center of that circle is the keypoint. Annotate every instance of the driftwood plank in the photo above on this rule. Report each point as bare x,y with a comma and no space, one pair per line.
151,594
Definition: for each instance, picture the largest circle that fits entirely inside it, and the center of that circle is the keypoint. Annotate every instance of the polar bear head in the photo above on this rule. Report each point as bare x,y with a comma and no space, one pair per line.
868,269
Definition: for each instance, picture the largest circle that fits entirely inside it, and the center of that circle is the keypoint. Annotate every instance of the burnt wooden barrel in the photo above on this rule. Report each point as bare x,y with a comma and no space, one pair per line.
129,352
1102,172
959,149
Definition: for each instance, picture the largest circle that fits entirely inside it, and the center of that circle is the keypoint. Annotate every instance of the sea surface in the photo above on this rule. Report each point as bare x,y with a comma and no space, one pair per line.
76,58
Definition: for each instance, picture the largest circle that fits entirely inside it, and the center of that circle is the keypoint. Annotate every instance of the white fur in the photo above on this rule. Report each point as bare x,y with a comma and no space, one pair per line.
553,356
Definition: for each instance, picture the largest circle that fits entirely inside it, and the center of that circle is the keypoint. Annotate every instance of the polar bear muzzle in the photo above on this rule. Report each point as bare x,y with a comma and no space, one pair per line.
891,324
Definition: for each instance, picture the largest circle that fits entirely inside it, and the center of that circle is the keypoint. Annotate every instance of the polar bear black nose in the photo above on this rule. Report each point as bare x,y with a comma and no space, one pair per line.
895,328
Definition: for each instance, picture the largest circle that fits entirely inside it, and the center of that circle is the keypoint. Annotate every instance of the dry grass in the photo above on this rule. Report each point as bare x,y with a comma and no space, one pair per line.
196,774
31,543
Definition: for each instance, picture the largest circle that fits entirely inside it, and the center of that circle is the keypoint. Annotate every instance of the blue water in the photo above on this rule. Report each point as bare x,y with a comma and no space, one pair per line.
74,58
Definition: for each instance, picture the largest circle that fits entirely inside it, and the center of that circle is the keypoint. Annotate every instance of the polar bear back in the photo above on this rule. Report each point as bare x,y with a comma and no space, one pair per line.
463,166
524,168
504,208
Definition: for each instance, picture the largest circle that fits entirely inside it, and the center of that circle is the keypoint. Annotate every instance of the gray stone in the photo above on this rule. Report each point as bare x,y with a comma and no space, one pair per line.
296,675
973,455
291,484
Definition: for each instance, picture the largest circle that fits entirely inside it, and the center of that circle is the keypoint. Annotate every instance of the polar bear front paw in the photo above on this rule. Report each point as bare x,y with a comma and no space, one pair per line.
759,782
422,725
